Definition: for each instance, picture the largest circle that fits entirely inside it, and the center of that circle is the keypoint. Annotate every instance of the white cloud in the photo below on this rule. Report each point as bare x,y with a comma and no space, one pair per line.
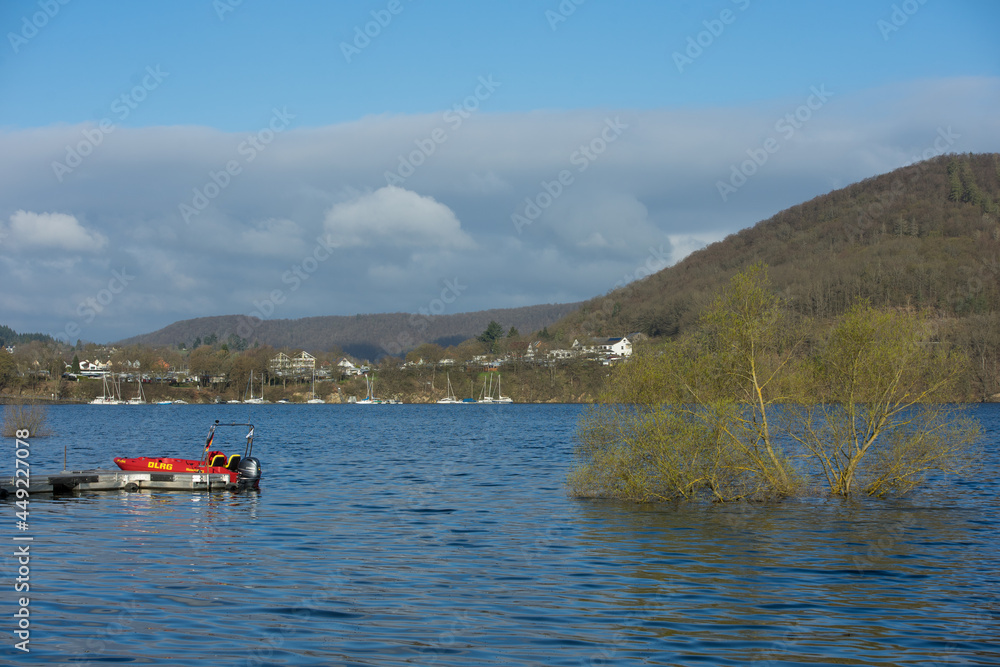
52,230
396,217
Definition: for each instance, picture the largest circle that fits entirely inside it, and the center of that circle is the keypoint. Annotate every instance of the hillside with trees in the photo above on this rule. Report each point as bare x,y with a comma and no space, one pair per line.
10,337
362,336
925,237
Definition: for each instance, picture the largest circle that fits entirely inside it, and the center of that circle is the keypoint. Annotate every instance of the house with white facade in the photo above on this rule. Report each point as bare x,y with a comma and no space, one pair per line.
562,354
280,364
95,368
347,368
617,347
301,365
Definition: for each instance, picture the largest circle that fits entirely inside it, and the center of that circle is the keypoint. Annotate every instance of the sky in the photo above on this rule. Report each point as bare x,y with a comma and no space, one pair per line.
161,161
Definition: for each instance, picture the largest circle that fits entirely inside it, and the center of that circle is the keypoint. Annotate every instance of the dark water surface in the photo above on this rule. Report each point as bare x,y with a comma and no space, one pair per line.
442,535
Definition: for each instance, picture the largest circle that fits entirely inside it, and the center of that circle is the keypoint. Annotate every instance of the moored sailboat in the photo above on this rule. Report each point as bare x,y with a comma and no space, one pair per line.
370,399
314,399
258,399
487,394
107,396
450,399
500,397
139,398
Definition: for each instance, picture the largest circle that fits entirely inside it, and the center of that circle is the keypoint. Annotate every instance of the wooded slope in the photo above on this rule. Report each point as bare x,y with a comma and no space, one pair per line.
362,336
923,236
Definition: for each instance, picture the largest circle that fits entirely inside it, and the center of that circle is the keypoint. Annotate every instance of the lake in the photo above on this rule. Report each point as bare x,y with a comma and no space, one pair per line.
443,535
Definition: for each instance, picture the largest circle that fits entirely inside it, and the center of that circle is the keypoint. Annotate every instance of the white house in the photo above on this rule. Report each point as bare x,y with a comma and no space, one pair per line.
301,364
617,347
611,348
96,365
534,349
280,364
347,368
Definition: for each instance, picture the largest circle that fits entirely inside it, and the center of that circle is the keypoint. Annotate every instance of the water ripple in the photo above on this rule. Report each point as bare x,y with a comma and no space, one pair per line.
427,535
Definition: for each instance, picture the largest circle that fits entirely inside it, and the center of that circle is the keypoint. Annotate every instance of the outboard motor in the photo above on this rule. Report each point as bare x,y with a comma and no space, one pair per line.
248,473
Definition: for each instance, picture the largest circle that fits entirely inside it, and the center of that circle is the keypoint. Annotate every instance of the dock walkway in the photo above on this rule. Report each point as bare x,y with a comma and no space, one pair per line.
74,481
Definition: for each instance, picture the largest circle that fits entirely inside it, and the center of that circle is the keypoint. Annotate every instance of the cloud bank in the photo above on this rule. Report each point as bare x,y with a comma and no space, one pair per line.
522,208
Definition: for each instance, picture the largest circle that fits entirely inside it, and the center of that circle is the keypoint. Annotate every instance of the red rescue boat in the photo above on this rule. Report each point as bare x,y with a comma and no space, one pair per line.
217,464
244,471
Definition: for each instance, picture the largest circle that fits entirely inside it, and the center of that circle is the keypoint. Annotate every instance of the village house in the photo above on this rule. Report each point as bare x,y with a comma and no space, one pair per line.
616,347
96,368
348,369
301,365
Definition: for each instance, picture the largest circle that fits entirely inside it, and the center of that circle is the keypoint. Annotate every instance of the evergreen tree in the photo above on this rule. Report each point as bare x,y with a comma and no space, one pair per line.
234,342
954,182
489,338
970,189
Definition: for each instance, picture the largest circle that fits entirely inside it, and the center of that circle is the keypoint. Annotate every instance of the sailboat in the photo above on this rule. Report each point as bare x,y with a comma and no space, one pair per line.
314,399
107,396
138,399
487,394
260,399
370,399
500,397
472,394
450,399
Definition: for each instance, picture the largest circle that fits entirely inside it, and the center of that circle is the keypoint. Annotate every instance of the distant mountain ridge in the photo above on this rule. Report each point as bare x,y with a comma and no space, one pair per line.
367,336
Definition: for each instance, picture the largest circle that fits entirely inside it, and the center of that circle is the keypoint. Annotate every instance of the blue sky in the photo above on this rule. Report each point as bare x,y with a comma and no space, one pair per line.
604,54
693,88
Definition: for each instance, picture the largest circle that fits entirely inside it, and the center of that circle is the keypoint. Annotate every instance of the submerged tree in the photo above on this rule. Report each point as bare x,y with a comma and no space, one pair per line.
707,413
881,421
696,414
749,349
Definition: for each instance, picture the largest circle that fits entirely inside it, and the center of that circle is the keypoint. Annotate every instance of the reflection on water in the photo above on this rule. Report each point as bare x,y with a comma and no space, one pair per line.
442,535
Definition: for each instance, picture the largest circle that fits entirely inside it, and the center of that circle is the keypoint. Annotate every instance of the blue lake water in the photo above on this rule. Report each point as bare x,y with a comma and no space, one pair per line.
443,535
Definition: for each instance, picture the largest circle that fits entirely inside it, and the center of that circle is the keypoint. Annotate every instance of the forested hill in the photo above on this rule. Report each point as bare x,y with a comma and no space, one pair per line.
924,236
362,336
10,337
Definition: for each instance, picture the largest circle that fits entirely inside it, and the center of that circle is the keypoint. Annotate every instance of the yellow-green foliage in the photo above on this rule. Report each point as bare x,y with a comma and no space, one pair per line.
880,420
707,413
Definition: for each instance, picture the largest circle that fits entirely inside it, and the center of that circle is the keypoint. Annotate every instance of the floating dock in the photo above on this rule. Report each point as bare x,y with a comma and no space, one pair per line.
76,481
